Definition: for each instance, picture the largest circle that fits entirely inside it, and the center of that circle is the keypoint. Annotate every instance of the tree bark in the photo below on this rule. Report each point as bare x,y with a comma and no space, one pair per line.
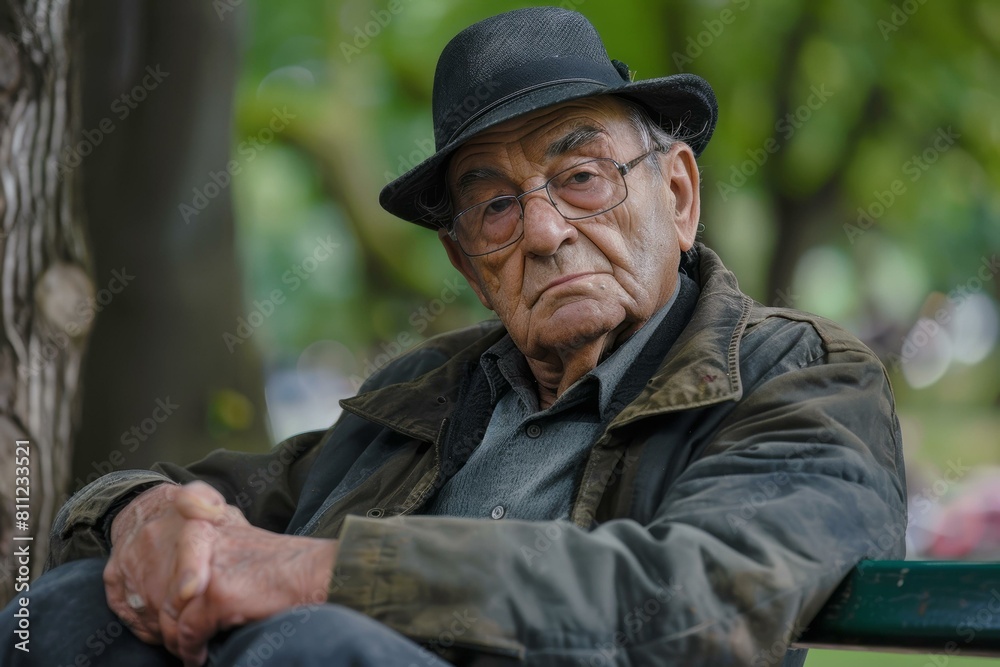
44,269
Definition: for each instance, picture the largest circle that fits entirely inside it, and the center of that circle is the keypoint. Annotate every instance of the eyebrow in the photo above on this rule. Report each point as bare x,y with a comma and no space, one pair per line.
575,138
572,140
473,176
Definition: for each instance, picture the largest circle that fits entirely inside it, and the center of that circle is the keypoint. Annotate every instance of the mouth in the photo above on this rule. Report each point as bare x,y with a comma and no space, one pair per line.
563,280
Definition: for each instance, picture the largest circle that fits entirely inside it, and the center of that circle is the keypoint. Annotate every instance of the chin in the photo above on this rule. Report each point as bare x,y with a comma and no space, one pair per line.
576,324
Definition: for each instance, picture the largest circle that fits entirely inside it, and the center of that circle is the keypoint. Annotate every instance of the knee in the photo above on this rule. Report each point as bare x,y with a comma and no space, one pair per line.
311,635
78,584
64,608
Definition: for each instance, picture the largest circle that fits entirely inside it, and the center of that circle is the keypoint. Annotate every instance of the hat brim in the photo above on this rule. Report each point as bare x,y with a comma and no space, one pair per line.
682,104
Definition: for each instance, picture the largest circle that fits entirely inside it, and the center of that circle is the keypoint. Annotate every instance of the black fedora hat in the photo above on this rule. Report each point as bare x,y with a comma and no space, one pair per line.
528,59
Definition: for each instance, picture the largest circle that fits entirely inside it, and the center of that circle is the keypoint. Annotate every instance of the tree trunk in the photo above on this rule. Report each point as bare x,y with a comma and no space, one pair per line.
47,292
159,381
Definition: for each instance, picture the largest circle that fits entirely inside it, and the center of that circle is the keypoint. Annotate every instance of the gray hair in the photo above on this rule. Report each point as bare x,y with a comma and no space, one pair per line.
651,135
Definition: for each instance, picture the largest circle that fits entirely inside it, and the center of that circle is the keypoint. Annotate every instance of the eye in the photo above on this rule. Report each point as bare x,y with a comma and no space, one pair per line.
498,207
578,177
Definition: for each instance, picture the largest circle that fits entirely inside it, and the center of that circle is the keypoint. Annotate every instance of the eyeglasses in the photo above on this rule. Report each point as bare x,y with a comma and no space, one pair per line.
584,190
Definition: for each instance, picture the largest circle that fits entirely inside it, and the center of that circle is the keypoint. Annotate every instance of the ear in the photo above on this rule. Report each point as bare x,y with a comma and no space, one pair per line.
462,262
682,174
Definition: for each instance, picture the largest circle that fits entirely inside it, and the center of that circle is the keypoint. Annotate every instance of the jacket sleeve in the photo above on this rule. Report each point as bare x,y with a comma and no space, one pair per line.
801,480
264,486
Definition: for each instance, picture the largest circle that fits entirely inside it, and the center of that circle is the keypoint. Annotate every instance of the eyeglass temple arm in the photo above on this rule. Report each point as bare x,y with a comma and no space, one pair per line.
627,167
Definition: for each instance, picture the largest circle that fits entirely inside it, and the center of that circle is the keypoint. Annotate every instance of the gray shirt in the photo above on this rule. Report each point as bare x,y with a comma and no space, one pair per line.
529,461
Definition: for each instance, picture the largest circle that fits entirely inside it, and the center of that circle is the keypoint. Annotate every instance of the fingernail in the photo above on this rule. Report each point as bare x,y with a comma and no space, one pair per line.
209,504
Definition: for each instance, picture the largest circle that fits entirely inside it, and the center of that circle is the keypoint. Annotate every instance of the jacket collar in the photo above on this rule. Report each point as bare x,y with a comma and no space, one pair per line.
419,406
703,365
701,368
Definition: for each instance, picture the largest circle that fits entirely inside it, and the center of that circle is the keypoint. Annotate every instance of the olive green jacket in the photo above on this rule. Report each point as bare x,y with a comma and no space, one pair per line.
714,516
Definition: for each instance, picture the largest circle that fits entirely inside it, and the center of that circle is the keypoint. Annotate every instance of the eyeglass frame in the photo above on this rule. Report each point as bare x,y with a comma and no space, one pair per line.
623,169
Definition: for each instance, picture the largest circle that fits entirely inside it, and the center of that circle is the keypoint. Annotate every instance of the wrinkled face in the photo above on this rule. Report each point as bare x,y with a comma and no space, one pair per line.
568,282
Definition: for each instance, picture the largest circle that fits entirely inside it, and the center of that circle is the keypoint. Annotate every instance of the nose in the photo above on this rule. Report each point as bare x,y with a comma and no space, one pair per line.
545,228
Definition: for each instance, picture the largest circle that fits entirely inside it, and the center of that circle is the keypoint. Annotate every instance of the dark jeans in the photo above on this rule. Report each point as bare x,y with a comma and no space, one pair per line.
71,625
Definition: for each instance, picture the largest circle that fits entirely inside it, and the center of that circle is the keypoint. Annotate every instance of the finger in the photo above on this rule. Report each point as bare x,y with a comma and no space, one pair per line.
137,601
142,614
192,570
195,627
117,592
198,500
114,587
168,630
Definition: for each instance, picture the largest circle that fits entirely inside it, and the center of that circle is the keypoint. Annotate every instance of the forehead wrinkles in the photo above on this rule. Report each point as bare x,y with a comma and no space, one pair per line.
501,147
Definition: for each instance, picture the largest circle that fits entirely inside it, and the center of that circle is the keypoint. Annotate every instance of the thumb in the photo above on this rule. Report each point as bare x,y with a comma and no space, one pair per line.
198,500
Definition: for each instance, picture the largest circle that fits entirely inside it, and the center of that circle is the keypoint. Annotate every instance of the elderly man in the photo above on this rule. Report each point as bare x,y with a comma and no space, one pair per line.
636,464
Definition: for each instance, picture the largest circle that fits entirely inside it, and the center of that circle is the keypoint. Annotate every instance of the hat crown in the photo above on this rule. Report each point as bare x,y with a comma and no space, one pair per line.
504,54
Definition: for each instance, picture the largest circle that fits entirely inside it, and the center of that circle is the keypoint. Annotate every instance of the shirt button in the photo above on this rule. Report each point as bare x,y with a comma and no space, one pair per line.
534,430
375,513
497,512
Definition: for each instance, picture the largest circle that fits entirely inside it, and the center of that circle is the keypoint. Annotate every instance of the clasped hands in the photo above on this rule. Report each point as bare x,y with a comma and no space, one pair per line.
185,565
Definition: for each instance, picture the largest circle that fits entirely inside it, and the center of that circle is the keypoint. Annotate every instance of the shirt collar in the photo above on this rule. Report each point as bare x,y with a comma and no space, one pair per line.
505,367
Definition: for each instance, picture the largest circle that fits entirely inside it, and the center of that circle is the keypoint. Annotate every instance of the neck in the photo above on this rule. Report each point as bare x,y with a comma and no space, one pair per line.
561,368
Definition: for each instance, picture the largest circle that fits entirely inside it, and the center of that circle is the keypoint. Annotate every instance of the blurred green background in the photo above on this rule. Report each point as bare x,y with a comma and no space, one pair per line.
853,173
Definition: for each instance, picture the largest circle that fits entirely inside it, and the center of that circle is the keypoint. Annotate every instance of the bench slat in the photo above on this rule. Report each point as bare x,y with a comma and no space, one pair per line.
913,606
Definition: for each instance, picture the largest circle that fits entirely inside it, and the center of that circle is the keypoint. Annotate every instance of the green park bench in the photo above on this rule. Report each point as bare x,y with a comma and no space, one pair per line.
944,607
